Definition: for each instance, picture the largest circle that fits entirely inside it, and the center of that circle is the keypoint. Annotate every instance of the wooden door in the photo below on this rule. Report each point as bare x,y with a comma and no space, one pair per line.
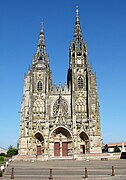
82,149
56,149
39,150
64,149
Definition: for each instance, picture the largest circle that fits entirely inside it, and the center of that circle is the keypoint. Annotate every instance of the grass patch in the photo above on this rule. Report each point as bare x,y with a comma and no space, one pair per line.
2,160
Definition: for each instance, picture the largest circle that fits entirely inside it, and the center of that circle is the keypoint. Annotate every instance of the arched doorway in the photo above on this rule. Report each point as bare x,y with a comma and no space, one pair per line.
39,143
84,143
61,142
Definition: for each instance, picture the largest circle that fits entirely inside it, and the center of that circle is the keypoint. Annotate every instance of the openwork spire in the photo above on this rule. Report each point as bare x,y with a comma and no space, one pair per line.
41,49
41,56
77,29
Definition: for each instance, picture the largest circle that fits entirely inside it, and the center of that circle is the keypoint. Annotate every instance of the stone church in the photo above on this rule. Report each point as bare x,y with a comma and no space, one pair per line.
64,120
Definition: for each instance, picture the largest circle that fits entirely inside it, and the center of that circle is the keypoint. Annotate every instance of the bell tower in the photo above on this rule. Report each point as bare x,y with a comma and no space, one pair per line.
77,73
84,97
34,126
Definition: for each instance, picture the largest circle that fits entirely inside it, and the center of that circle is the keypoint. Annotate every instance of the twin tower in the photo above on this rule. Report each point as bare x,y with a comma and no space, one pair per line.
60,121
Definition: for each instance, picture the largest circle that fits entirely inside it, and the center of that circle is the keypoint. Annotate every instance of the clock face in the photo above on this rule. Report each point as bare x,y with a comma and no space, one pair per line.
79,61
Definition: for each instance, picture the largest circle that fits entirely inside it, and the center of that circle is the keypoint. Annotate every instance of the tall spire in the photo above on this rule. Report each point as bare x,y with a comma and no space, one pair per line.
77,29
41,49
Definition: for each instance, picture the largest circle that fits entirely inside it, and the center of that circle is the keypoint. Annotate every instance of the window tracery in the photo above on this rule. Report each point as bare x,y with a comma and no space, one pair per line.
80,82
80,105
38,106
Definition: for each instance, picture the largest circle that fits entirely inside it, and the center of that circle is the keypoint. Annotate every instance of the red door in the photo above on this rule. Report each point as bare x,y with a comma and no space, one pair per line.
39,150
64,149
56,149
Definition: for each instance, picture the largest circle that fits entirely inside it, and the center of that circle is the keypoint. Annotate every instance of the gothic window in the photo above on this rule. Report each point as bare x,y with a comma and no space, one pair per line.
80,82
39,86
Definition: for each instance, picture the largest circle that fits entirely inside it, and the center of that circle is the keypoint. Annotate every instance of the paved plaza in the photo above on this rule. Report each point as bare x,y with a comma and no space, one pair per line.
67,170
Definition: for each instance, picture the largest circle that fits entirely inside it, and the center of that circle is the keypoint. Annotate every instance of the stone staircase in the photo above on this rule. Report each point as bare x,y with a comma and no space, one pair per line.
66,169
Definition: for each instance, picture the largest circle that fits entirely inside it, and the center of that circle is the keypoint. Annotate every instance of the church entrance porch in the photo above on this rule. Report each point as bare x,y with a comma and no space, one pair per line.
39,143
61,143
84,143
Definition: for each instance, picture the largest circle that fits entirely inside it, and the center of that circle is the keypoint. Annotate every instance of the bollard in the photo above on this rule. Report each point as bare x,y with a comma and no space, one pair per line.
2,168
12,173
7,163
50,174
86,174
113,172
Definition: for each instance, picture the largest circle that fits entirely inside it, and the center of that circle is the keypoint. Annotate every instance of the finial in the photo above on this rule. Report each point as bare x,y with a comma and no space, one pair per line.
77,10
42,27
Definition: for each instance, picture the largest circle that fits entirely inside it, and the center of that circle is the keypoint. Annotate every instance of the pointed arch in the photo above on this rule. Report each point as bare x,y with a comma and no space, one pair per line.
84,142
84,136
39,143
39,136
62,141
62,129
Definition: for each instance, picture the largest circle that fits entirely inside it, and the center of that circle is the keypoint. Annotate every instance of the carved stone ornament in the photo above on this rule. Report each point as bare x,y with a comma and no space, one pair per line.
60,107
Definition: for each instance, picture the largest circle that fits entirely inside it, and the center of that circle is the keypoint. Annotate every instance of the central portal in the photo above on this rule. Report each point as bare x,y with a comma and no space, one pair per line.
62,144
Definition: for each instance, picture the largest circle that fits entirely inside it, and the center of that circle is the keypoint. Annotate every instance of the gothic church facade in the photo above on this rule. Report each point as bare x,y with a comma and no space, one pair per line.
60,121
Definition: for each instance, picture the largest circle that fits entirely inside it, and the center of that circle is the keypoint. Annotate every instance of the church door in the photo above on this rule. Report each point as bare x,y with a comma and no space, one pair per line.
56,149
82,149
64,149
39,150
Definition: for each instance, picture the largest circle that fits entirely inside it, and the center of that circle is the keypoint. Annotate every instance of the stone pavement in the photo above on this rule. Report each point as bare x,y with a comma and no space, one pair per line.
67,170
